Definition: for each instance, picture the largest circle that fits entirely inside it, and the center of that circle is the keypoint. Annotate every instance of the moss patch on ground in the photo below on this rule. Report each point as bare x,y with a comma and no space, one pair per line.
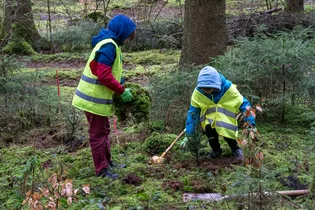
288,164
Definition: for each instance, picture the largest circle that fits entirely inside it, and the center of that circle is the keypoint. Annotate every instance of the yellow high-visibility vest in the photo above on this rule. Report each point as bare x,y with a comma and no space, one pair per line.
221,116
91,95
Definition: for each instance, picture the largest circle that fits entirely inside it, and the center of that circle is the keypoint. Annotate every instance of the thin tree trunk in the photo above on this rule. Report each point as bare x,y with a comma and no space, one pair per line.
105,12
49,24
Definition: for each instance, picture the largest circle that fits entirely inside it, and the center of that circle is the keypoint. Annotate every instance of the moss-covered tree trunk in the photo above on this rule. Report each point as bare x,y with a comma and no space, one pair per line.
19,21
295,5
205,34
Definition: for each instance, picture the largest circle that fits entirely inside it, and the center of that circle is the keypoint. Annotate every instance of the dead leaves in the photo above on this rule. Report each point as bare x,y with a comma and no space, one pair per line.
54,191
252,154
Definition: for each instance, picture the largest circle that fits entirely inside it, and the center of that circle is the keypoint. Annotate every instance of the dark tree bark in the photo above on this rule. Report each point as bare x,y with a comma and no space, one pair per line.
205,34
1,22
19,20
294,5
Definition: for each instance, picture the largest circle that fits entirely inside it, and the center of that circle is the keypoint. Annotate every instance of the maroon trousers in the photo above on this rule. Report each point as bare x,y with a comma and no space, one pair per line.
100,146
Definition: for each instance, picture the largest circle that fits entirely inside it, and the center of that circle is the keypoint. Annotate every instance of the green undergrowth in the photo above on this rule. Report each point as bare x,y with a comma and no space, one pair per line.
144,70
50,73
40,6
46,58
289,164
152,57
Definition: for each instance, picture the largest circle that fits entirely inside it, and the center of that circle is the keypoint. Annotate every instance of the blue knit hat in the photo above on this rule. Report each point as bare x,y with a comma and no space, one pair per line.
209,78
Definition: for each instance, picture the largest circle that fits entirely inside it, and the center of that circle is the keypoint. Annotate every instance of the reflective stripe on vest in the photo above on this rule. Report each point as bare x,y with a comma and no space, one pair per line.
91,95
220,109
91,80
221,116
93,99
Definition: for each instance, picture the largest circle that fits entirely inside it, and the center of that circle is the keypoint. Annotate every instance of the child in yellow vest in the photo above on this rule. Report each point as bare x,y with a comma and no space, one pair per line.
101,79
215,103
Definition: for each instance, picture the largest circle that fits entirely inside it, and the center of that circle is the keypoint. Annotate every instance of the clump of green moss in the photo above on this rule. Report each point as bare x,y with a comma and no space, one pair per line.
17,44
20,47
138,110
157,125
157,143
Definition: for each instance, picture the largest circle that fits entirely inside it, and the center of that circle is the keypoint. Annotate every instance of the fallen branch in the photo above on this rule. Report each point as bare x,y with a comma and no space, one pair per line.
211,197
272,10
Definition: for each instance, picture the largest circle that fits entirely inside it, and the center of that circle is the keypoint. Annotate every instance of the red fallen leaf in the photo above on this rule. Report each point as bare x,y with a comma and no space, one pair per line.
37,196
51,205
25,200
243,142
45,191
86,188
259,156
69,200
252,134
53,180
258,107
239,116
29,193
247,113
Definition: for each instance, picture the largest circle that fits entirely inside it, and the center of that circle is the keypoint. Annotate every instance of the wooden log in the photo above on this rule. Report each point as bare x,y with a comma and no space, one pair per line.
272,10
211,197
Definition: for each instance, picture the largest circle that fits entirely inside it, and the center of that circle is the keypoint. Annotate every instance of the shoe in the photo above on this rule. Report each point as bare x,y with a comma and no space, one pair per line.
114,165
215,154
107,173
238,154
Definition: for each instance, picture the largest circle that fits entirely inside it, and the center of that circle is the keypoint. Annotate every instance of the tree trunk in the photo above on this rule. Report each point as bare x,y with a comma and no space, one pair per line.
2,32
205,34
19,20
294,5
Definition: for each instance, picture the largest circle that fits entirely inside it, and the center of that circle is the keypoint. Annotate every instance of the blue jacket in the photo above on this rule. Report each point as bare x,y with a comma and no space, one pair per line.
193,116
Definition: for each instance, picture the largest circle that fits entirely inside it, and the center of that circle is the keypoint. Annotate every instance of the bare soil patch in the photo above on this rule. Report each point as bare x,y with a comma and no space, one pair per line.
209,164
132,179
73,64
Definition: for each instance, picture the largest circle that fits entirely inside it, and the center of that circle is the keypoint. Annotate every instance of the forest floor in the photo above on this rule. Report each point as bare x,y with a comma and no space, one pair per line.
288,158
28,158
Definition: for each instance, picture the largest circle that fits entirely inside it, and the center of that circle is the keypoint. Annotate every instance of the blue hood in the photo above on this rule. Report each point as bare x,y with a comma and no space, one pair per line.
210,78
120,28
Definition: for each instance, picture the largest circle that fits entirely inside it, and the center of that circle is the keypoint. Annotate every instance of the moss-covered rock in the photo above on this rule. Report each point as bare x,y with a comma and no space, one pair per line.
157,143
20,47
138,109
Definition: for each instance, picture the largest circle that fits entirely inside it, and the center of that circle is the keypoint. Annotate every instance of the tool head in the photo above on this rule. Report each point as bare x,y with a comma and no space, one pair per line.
156,159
